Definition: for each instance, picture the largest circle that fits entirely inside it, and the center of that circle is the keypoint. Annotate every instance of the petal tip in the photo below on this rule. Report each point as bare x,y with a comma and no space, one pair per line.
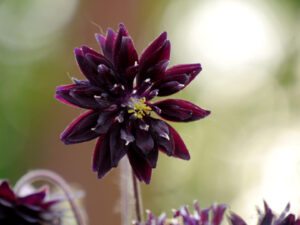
78,52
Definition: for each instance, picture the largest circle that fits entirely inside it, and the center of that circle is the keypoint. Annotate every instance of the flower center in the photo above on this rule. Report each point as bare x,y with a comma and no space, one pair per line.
138,107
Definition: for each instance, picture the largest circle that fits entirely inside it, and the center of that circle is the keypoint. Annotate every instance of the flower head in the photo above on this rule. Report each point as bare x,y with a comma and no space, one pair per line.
32,209
118,93
268,217
184,217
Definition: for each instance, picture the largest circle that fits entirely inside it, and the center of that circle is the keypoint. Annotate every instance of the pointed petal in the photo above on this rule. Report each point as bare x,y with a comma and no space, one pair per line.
163,136
109,44
126,55
180,150
104,121
152,157
87,68
6,192
34,199
204,215
79,95
289,220
156,44
143,138
236,220
80,129
122,32
180,110
117,146
88,61
101,41
141,168
158,51
176,78
102,160
157,71
218,213
126,134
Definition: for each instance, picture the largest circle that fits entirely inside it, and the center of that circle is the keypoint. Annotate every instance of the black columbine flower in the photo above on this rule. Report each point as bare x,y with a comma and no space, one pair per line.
268,218
118,92
207,216
32,209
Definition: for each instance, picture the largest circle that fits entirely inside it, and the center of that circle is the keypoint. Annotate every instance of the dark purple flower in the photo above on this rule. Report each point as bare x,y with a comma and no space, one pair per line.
268,218
118,93
207,216
32,209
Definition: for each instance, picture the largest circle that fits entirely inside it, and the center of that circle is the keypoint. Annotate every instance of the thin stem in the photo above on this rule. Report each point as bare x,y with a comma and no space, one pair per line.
54,178
126,192
137,198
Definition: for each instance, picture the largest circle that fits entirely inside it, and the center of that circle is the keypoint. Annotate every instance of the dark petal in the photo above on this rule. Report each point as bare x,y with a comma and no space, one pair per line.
180,150
107,44
157,71
79,95
268,217
176,78
80,130
143,137
152,157
204,215
180,110
122,32
102,161
218,213
6,192
282,215
107,79
166,88
236,220
33,199
86,50
158,51
289,220
88,61
163,136
157,43
117,146
131,73
95,61
297,222
101,41
87,68
104,121
140,166
126,56
126,134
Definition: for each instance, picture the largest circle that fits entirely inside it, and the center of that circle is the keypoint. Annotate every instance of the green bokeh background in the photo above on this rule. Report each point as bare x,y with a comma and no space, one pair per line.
253,130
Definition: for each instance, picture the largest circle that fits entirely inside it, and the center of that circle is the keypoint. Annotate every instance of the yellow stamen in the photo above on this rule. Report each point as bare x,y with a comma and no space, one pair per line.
139,108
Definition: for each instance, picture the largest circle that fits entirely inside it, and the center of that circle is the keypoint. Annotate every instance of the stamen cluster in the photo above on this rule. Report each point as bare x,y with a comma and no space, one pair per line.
118,93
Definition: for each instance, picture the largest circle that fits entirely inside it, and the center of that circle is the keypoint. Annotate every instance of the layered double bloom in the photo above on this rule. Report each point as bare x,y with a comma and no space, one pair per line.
118,93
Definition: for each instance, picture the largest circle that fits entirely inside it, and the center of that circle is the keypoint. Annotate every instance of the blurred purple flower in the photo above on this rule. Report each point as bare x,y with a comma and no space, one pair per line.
268,218
32,209
184,217
118,91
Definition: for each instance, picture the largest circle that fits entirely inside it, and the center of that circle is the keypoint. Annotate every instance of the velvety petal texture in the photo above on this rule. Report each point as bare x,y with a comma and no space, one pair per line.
178,110
118,94
32,209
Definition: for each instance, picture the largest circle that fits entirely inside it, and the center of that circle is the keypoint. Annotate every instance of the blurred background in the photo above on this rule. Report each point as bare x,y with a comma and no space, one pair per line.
247,150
